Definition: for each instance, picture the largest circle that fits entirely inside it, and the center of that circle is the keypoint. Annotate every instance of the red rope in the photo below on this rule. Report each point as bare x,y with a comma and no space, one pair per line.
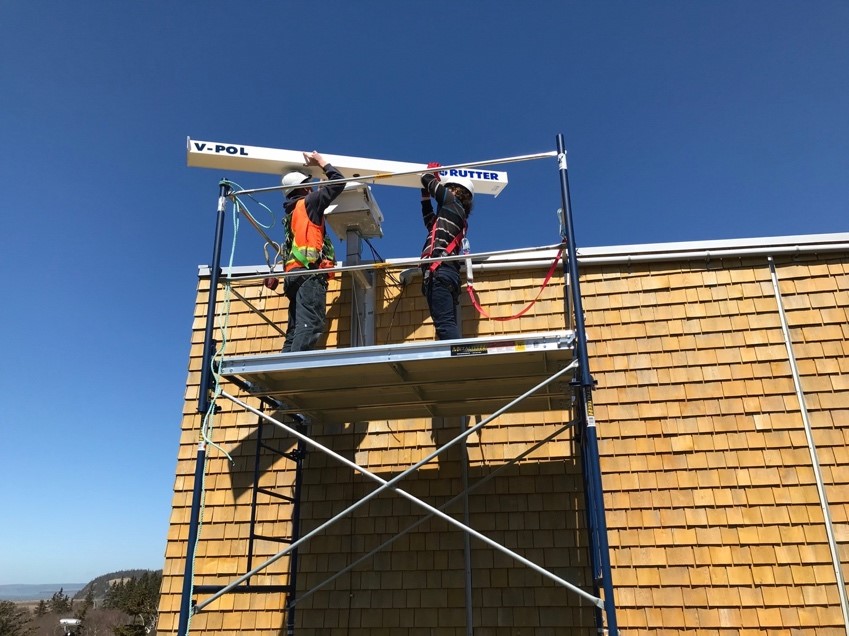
470,288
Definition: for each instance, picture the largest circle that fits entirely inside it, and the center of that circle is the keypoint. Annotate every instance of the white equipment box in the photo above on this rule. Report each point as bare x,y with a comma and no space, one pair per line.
355,209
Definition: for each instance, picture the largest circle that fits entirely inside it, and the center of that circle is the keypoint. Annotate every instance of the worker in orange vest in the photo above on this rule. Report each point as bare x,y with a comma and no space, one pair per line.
307,247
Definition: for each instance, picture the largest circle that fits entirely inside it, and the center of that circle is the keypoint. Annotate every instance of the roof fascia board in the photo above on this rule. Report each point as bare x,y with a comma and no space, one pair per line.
649,251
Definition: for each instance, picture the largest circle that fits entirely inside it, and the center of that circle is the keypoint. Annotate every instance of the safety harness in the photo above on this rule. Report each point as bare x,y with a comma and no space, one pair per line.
455,242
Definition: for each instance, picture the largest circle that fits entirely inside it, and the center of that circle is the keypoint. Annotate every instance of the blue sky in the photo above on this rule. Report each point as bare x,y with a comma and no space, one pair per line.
683,121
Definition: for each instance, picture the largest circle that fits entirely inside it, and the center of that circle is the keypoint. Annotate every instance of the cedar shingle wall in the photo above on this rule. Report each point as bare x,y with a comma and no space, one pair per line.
714,521
713,511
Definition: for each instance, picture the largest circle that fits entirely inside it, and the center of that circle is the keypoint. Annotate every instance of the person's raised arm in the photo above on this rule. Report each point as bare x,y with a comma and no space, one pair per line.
428,216
318,200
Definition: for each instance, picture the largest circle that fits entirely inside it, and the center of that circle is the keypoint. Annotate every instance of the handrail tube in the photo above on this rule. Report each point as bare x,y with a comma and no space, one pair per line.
390,264
498,265
386,175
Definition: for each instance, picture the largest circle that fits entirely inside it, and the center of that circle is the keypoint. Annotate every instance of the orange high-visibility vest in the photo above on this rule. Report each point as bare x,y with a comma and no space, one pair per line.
307,240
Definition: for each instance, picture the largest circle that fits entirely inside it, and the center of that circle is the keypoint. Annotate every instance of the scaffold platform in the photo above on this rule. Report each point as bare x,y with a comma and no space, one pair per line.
448,378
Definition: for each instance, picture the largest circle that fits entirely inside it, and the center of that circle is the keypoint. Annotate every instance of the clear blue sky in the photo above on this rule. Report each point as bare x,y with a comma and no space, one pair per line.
683,121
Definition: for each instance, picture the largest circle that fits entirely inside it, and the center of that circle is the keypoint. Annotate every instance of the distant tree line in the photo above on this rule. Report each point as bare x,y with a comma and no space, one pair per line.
139,598
128,607
14,619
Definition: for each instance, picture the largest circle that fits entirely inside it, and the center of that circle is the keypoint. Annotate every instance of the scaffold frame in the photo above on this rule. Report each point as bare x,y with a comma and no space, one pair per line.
250,375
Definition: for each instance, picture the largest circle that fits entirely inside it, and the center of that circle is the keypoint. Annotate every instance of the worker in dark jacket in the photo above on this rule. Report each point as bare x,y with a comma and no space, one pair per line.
446,229
307,249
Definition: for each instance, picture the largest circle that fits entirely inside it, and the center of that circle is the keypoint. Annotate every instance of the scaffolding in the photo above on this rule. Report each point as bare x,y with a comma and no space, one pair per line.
517,372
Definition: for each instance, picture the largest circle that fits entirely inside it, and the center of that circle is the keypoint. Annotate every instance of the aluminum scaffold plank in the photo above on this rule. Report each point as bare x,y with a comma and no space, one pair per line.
469,376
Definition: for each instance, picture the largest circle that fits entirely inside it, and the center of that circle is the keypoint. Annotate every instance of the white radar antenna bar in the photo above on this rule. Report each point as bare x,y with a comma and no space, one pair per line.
223,156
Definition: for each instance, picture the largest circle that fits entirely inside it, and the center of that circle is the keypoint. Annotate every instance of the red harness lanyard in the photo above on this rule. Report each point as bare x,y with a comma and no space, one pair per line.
470,288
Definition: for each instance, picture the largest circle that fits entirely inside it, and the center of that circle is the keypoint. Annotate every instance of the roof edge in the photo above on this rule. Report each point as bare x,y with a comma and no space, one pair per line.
673,251
754,244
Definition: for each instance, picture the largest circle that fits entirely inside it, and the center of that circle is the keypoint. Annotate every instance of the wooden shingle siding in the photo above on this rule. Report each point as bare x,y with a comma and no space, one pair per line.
715,524
713,512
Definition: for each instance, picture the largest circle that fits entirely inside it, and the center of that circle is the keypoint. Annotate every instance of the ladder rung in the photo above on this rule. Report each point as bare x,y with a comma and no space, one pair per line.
273,449
277,495
275,539
241,589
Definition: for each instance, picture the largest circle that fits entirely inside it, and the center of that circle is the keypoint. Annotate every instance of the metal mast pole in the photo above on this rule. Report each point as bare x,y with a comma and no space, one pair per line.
600,552
203,407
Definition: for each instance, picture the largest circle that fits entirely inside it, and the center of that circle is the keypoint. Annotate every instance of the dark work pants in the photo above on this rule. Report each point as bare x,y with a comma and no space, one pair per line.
442,289
307,311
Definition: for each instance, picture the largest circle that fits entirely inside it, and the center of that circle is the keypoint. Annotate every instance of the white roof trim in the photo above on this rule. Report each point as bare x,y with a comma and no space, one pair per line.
717,245
649,251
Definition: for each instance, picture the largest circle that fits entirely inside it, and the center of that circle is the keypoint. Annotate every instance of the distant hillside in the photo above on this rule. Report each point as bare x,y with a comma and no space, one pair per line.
75,591
101,584
37,592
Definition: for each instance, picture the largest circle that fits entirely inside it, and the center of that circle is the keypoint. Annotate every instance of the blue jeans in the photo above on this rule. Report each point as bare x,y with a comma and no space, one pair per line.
307,311
441,288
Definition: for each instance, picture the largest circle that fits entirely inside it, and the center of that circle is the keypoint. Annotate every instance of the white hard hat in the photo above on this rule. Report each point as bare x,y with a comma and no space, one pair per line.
294,178
460,181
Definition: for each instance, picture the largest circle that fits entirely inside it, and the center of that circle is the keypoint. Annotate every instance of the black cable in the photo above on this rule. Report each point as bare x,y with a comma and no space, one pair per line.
380,259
